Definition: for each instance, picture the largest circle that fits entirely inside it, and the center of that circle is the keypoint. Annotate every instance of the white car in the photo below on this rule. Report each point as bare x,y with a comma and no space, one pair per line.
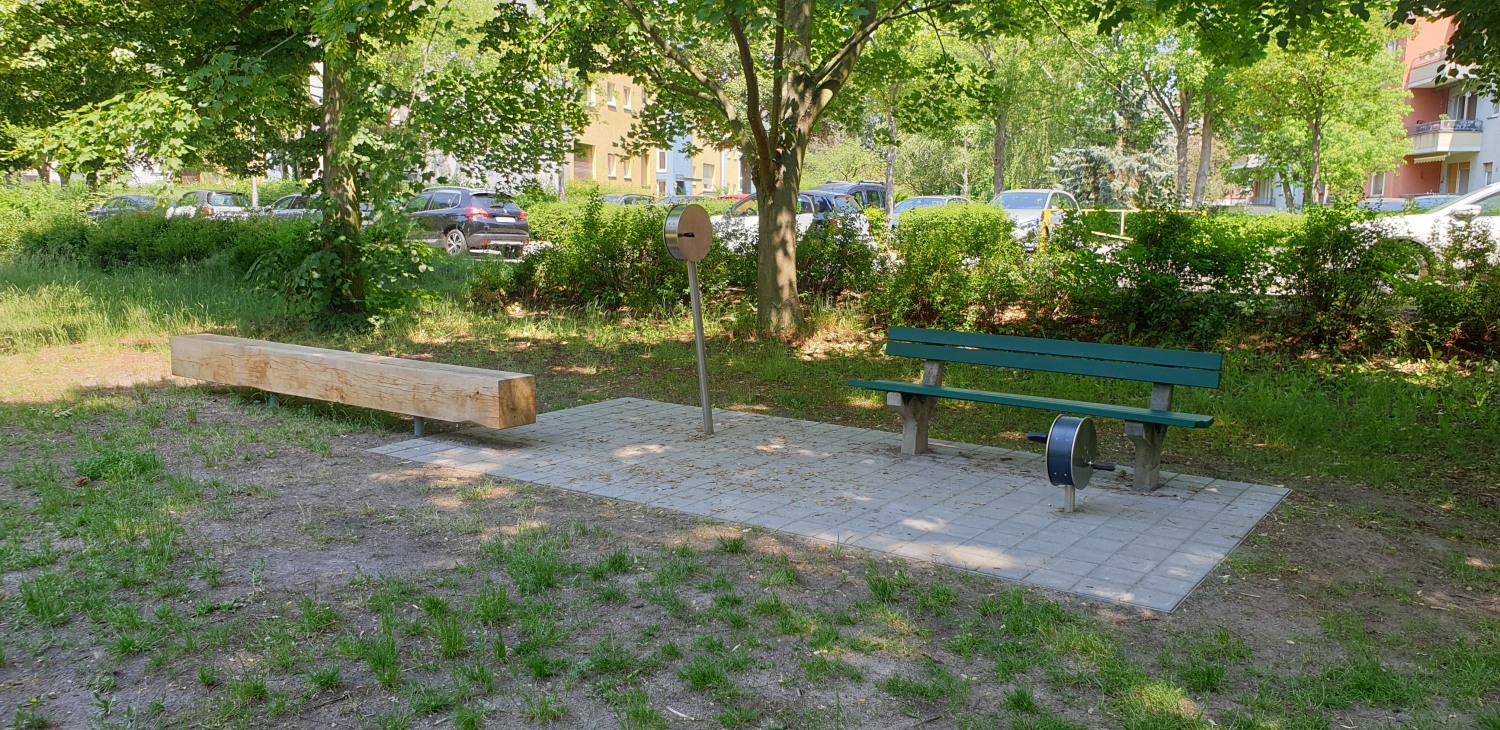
1430,228
740,225
210,204
1029,211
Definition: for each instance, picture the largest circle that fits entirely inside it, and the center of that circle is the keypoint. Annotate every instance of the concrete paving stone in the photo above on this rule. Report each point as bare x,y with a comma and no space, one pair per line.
1166,584
1069,564
1131,562
978,508
1116,574
1056,580
1202,550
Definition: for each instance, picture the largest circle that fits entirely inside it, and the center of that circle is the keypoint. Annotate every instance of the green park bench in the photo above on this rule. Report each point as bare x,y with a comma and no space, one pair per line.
1145,427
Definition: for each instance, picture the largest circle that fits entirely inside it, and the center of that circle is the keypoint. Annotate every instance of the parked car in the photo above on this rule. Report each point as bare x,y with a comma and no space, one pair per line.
814,207
627,199
1428,202
671,200
121,204
460,220
867,193
210,204
295,205
1384,205
1430,228
925,201
1033,211
298,205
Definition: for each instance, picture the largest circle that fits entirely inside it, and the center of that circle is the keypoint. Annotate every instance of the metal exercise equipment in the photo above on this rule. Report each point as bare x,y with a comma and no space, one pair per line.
689,234
1072,446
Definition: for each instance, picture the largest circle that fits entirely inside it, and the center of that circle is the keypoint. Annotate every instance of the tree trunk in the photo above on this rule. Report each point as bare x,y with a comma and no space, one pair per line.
44,172
1183,144
776,292
747,168
999,153
1205,151
341,221
1315,140
890,164
1286,193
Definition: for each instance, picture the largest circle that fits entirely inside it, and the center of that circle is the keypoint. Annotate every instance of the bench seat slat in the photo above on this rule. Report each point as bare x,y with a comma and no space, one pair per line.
1103,410
1061,348
1057,364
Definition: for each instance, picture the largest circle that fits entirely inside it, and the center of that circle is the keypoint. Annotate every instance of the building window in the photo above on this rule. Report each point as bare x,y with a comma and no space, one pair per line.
661,188
583,162
609,94
625,164
708,178
593,94
1377,185
611,161
1489,173
661,160
628,91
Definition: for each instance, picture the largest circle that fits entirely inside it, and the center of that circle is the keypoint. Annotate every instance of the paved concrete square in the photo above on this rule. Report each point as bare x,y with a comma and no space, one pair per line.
977,508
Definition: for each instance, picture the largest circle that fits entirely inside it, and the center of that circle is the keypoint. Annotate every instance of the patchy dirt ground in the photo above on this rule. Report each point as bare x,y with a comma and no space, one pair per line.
300,553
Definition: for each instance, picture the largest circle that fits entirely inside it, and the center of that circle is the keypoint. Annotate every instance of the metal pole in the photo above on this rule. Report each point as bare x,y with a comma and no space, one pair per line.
708,409
417,425
1068,493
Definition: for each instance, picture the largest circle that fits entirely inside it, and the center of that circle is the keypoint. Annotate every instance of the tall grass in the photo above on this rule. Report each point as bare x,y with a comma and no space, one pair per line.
48,304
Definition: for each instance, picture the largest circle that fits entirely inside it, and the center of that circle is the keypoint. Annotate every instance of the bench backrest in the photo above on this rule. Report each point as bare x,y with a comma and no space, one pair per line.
1121,362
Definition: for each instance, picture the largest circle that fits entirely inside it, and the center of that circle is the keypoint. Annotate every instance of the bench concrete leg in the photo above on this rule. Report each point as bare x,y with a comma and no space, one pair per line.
916,415
1147,438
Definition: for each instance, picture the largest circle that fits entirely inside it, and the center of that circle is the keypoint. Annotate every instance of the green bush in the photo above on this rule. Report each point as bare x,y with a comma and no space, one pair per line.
1339,277
294,265
608,256
954,267
551,222
41,218
1458,305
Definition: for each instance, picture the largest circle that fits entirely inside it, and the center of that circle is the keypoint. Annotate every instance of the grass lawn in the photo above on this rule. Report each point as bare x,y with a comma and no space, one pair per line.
184,557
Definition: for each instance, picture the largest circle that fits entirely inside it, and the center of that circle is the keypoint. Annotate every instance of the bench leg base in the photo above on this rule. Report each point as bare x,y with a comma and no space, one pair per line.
418,424
916,415
1148,438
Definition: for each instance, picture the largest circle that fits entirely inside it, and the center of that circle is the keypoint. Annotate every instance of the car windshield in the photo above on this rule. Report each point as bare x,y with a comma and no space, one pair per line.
846,203
1020,200
1446,204
230,200
743,208
911,203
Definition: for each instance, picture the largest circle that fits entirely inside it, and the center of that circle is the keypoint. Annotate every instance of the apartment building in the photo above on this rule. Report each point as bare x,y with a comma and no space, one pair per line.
600,156
1454,131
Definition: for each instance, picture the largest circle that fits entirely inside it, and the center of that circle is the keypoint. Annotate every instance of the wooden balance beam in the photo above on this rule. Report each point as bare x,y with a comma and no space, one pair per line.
412,387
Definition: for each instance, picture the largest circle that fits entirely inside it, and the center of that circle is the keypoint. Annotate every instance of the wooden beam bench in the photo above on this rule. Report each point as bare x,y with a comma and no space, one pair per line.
415,388
1145,427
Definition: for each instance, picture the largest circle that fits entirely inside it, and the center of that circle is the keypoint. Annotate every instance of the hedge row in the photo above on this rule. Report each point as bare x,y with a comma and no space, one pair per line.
1318,280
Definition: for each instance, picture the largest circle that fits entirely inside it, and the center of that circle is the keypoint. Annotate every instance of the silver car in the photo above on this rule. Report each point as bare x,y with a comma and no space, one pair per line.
210,204
1035,211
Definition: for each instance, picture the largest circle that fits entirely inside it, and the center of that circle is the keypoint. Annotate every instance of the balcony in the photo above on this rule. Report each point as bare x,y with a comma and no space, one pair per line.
1425,74
1449,136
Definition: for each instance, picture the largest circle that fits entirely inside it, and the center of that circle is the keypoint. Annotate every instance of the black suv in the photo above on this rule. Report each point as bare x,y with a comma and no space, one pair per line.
867,193
459,220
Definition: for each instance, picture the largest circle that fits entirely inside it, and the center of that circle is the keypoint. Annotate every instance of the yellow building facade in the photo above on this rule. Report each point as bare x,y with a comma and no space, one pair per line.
599,154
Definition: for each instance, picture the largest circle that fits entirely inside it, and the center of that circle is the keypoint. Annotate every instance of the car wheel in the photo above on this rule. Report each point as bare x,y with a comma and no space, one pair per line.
455,242
1403,263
